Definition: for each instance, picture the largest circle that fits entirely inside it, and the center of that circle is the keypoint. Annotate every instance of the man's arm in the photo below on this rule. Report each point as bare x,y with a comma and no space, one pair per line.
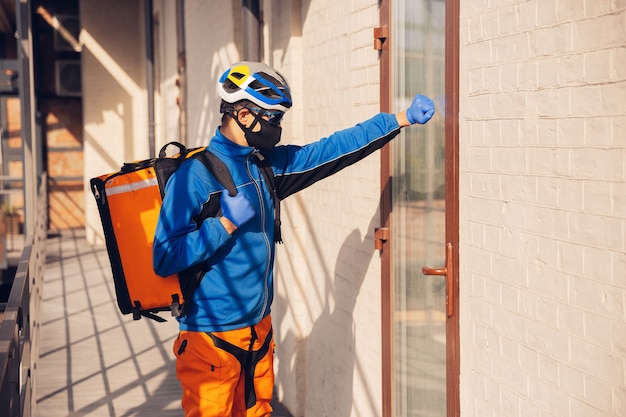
297,167
402,120
178,241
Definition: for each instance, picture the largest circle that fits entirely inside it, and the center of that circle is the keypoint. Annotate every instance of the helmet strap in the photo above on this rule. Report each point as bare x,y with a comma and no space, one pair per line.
265,138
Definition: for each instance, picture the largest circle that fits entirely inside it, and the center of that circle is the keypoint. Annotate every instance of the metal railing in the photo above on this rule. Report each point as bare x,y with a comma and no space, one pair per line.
19,330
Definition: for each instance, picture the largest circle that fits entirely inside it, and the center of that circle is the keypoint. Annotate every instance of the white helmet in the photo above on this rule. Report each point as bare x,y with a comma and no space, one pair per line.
256,82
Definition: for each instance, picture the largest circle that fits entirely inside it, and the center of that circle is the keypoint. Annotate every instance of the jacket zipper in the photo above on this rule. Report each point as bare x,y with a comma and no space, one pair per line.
257,184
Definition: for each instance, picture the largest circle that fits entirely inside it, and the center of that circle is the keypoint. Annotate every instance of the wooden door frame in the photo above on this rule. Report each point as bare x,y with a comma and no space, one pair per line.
452,206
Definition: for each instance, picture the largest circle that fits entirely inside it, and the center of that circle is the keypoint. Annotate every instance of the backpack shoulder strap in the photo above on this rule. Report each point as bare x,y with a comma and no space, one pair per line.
190,278
266,170
218,169
165,166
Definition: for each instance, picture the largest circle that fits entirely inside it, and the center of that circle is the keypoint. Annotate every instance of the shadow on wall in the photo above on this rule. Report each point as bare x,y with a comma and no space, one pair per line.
330,348
325,362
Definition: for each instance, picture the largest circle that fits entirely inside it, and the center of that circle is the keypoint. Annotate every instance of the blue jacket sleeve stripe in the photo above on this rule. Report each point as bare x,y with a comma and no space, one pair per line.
303,166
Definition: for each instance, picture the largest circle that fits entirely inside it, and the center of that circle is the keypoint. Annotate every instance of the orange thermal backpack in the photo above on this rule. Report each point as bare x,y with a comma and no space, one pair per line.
129,202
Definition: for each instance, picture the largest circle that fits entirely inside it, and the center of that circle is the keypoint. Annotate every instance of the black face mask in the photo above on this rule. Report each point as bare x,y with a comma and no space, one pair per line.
266,138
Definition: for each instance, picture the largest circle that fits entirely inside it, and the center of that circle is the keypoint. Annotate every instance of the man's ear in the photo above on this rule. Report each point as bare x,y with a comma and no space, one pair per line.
243,115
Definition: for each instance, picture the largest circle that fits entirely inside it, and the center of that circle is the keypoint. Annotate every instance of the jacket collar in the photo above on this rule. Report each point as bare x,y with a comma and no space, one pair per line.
225,147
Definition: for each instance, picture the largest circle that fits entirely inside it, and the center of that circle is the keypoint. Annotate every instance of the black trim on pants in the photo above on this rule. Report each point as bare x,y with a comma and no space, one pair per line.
248,360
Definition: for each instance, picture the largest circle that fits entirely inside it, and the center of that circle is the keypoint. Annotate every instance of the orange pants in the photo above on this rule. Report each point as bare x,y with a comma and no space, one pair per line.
227,374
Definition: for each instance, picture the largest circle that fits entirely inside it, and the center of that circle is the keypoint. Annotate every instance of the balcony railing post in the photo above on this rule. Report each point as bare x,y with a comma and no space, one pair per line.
19,335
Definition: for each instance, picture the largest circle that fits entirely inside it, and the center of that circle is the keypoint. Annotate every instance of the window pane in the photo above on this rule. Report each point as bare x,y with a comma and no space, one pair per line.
419,212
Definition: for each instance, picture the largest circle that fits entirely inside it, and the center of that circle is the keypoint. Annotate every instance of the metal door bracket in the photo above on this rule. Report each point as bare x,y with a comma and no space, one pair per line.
381,33
381,235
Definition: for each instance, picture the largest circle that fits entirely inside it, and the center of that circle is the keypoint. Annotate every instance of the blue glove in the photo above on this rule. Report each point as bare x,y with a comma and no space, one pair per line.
421,110
237,209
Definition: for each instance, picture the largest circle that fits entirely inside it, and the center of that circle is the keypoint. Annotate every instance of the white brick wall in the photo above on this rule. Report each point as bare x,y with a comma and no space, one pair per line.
543,213
328,277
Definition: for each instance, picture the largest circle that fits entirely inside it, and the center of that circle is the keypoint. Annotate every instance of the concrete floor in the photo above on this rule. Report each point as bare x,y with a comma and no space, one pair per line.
94,361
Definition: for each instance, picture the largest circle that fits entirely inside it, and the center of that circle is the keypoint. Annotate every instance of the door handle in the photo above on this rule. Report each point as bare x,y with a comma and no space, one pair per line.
447,271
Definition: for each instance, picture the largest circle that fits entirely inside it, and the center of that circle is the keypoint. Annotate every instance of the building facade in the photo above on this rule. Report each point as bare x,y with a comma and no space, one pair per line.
522,171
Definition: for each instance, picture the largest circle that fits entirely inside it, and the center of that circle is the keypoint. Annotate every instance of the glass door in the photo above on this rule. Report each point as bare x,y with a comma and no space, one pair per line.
421,270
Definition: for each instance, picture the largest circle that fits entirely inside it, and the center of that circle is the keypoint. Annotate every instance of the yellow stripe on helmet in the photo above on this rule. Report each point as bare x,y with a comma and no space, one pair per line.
242,69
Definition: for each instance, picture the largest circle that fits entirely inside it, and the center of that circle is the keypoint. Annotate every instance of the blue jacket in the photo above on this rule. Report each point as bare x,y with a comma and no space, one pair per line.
237,291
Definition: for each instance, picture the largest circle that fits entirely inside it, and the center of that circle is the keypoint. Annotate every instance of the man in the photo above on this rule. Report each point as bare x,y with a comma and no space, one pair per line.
224,349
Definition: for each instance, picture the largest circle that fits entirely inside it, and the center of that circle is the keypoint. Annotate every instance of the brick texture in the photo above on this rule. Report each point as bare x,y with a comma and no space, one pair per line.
328,279
543,237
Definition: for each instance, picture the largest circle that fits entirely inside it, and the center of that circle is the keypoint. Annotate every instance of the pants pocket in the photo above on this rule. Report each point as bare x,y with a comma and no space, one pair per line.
198,368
